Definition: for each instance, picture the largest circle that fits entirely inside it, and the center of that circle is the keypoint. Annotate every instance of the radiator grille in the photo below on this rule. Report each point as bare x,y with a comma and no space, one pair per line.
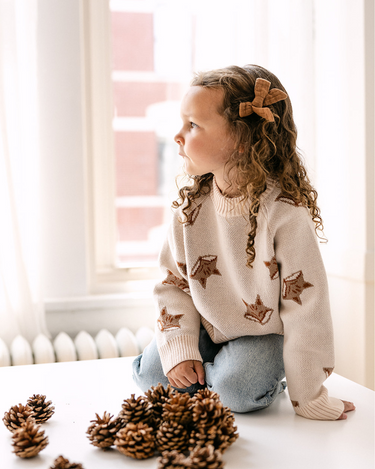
82,347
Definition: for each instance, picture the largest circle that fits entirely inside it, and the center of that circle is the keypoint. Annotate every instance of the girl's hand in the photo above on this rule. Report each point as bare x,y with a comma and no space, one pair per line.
186,373
348,407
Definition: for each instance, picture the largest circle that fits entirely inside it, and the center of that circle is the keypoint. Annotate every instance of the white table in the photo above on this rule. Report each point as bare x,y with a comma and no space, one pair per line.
269,439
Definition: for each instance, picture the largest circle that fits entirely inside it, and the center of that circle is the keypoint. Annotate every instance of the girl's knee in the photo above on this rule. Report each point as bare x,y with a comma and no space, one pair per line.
247,400
241,394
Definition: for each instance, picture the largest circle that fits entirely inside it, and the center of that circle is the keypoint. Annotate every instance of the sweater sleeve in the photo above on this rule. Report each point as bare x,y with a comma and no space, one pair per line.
178,321
305,313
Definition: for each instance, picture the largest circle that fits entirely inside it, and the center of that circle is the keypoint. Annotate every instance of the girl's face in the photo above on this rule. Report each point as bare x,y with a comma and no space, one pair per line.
204,139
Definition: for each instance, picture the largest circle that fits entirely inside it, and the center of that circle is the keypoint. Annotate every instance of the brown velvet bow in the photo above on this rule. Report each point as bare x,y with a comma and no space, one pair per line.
263,97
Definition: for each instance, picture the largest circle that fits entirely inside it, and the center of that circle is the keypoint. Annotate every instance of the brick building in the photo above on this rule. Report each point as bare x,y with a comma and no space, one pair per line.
139,149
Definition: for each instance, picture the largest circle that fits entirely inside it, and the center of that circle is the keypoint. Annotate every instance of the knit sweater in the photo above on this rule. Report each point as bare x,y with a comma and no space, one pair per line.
206,281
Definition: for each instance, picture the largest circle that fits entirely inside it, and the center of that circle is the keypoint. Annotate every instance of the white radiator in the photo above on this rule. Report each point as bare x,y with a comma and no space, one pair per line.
83,347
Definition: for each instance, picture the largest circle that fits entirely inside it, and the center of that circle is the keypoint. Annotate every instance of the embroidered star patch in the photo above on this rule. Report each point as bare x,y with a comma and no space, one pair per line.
288,199
182,267
273,268
204,268
258,312
176,281
294,285
168,322
328,371
193,215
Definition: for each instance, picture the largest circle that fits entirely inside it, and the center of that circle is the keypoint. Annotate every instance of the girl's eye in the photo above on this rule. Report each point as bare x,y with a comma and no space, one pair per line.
192,125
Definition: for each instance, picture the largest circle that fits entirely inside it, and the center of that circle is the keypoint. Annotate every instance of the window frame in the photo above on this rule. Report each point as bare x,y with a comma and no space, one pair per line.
104,273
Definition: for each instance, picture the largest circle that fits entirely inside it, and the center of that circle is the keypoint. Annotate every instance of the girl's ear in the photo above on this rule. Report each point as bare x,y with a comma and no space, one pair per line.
241,149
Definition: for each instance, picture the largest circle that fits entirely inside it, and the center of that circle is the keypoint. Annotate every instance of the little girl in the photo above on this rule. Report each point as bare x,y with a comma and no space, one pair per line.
244,299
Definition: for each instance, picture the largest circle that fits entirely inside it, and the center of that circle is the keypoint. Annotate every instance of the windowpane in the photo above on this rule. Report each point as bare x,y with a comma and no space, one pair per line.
156,46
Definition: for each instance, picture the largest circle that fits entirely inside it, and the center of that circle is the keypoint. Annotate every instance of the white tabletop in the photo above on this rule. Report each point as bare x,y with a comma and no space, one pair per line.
269,439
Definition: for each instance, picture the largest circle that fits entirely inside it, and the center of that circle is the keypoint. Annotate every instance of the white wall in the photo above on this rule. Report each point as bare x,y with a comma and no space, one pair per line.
344,166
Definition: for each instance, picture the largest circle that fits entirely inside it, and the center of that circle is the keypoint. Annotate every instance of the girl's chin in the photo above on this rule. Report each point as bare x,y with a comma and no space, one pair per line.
192,171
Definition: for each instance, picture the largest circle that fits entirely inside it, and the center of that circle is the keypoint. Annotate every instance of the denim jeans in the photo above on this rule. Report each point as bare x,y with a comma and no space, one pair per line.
246,372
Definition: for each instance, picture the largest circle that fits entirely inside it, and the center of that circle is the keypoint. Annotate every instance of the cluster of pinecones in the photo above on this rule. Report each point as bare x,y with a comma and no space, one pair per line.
28,439
170,423
24,421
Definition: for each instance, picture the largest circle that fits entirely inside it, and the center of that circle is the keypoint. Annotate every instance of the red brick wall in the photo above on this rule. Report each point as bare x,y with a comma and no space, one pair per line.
136,152
133,41
132,99
136,163
134,223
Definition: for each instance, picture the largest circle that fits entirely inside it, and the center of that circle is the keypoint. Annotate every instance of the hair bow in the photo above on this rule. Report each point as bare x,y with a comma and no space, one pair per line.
263,97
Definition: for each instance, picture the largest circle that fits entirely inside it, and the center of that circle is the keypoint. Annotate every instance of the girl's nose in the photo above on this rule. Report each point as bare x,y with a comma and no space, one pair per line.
179,139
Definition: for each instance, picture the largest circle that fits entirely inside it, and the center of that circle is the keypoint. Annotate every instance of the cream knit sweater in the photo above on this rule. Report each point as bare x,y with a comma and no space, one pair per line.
207,281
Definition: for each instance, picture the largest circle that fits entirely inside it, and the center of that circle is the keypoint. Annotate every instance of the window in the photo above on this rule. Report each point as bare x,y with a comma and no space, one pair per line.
139,59
154,52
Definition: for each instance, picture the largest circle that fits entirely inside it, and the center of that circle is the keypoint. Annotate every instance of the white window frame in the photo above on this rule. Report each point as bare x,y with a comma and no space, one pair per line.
104,273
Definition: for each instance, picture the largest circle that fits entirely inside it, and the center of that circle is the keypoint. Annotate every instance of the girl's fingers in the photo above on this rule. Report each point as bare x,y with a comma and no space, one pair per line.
179,381
171,381
199,371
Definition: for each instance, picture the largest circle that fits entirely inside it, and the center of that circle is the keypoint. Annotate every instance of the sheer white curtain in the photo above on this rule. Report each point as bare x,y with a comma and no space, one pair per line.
21,305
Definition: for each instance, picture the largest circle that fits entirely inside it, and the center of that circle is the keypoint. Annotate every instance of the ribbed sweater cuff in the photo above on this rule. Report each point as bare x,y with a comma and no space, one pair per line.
322,408
177,350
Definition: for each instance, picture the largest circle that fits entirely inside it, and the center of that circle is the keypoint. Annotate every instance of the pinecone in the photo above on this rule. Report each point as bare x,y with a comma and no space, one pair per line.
63,463
136,410
207,412
157,396
206,457
177,409
42,410
172,460
16,416
213,424
136,440
203,436
102,431
29,440
205,394
227,432
171,436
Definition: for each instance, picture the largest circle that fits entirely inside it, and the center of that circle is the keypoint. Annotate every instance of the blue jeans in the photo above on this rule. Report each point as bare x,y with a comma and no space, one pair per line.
246,372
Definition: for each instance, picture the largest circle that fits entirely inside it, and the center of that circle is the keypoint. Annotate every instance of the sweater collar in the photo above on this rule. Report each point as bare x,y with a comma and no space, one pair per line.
234,206
227,206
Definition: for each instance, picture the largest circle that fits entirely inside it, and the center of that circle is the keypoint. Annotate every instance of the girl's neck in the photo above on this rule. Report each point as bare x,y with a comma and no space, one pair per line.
225,187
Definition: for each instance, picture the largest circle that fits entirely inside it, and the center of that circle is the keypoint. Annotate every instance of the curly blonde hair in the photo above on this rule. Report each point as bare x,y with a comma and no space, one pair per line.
262,149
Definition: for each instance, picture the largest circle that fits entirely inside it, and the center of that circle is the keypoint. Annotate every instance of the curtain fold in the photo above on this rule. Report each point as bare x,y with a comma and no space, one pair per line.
21,300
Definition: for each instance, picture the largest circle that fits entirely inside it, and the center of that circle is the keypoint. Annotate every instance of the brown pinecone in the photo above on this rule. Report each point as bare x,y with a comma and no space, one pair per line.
213,425
170,436
29,440
157,396
102,431
227,432
172,460
203,436
206,457
16,416
177,409
63,463
204,394
42,410
136,410
136,440
207,412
